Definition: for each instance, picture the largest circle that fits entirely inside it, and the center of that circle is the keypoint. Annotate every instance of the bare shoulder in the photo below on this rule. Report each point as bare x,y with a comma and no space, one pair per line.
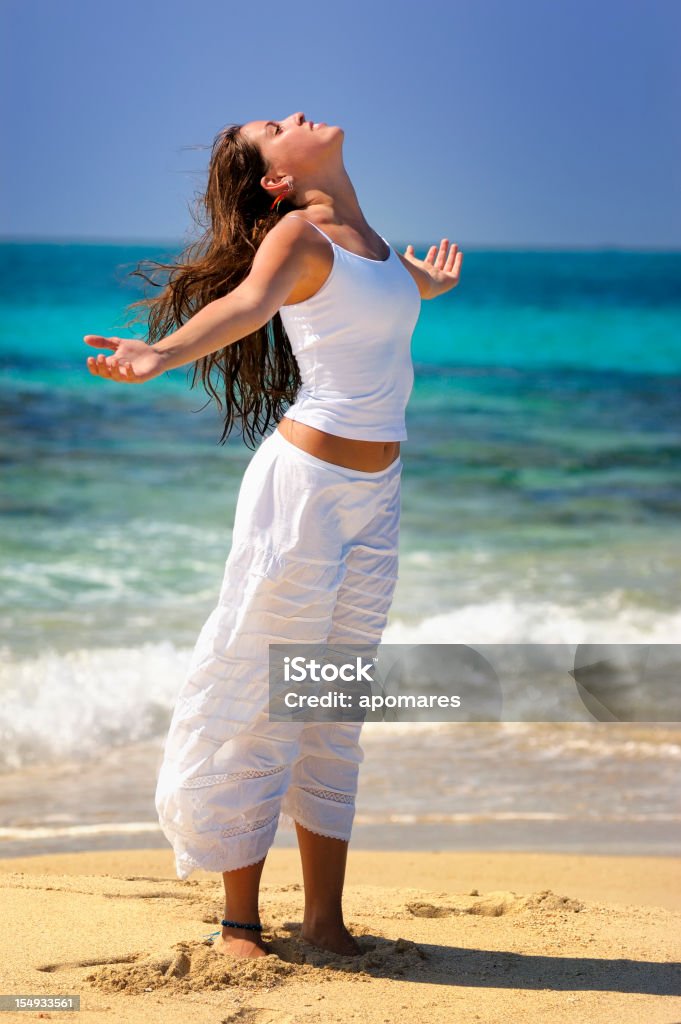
291,241
294,242
287,264
292,231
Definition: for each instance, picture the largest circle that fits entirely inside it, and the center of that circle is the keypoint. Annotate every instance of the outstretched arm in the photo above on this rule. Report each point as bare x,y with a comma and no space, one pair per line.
438,273
277,265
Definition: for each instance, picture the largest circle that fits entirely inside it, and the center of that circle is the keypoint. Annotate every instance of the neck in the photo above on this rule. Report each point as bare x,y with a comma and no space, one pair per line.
334,195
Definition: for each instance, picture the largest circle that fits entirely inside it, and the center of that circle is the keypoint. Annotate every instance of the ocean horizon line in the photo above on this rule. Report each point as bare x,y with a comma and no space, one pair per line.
558,248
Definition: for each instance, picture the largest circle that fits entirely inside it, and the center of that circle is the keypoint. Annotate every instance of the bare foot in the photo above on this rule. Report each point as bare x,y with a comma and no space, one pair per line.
334,939
239,942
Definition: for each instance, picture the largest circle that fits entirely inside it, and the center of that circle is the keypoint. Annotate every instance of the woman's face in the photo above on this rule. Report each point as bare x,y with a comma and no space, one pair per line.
292,146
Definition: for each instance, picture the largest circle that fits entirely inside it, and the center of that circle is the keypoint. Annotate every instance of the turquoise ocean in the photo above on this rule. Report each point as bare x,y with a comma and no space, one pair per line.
541,503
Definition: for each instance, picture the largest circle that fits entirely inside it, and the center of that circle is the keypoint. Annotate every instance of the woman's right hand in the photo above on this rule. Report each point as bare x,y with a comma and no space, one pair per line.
134,361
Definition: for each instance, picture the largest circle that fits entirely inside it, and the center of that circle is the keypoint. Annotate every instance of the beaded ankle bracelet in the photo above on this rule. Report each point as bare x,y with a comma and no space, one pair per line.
236,924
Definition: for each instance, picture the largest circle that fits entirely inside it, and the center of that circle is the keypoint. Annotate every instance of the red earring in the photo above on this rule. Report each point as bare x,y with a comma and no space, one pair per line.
289,187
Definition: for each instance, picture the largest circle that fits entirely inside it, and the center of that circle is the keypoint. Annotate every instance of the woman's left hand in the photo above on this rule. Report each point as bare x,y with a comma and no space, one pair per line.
443,268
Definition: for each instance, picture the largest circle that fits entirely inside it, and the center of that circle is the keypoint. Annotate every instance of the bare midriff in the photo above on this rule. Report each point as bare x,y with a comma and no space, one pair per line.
368,456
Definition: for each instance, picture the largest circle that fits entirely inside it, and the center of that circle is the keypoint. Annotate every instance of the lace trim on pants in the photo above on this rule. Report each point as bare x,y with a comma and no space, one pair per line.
329,794
214,780
252,826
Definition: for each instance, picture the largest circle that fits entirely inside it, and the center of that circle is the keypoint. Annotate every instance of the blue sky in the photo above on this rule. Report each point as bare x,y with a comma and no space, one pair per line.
494,123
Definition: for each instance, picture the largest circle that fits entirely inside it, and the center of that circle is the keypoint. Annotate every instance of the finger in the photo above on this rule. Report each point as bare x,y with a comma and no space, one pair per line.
442,253
117,370
114,369
409,251
431,254
127,372
452,256
102,368
101,341
455,272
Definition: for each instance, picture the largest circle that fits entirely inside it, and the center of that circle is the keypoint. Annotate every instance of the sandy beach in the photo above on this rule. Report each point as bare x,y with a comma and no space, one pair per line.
459,936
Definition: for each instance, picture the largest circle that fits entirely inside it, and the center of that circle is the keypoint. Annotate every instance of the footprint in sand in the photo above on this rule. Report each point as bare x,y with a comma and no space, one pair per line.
494,904
68,965
195,966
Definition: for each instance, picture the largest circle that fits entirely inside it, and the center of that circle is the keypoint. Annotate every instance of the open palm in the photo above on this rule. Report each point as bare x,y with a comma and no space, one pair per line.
442,267
134,362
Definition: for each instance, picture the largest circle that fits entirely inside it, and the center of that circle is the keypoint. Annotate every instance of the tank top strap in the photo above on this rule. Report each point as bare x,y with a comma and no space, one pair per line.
314,226
340,246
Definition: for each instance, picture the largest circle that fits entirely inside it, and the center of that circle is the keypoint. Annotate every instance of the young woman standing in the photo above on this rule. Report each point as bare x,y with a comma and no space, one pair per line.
307,315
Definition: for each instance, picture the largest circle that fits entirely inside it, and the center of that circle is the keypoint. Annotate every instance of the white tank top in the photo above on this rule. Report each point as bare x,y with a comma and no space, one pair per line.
352,342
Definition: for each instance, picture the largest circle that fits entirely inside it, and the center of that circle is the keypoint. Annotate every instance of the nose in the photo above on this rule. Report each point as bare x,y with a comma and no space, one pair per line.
298,117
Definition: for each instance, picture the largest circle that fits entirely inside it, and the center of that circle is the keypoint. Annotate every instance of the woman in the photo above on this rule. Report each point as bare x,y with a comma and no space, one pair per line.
287,257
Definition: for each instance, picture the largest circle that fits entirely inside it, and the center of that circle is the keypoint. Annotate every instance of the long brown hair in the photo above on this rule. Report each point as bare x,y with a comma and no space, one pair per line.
258,375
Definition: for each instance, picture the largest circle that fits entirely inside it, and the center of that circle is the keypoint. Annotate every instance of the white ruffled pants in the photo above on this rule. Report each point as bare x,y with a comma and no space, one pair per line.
314,559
